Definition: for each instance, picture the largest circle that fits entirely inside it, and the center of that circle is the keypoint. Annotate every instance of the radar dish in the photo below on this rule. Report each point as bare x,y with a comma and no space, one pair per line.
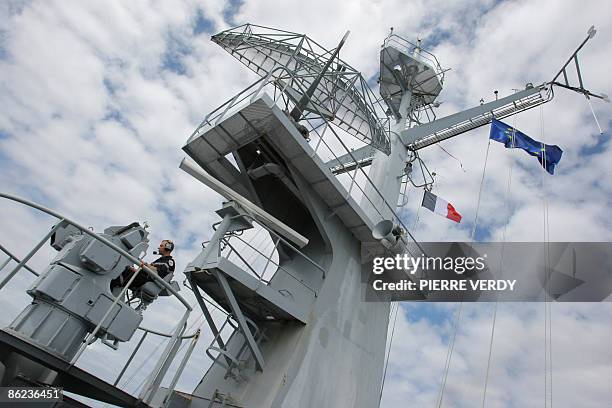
293,62
404,65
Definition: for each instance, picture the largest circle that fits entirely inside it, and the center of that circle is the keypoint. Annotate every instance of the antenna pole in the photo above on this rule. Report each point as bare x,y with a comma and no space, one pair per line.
296,112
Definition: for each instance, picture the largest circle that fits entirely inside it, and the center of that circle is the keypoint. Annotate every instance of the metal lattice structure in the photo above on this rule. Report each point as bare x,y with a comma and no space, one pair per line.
293,62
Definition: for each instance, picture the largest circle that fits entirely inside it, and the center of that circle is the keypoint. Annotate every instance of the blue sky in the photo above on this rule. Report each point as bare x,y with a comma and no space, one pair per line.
98,99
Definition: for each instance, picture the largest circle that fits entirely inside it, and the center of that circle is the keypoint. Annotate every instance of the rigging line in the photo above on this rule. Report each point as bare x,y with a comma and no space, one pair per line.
501,265
446,151
484,393
472,235
550,366
449,355
458,314
484,169
547,306
416,219
507,198
404,195
388,353
546,271
397,307
545,324
593,112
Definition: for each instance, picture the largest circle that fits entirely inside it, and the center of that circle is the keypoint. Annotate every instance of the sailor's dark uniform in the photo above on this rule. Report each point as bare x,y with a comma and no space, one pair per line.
164,265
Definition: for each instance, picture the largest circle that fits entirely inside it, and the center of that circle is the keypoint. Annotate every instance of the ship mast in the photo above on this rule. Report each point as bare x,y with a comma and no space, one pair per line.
308,158
304,336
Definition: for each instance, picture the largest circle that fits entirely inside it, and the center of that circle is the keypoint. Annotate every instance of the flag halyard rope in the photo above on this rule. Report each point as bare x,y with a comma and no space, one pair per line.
501,262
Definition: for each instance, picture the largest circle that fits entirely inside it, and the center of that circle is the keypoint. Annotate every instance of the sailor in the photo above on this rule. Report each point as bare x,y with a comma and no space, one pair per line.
162,266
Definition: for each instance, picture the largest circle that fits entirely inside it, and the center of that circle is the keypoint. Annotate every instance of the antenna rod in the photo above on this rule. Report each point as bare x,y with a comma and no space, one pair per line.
590,34
296,112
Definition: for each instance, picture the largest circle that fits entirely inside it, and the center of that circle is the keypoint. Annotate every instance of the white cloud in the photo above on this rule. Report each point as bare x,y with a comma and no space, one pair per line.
92,126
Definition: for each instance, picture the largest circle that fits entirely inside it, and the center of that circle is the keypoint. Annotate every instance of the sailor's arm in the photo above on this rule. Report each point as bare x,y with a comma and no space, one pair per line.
162,268
150,266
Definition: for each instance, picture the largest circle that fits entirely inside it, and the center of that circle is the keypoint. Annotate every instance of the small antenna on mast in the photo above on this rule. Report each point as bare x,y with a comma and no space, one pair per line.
387,38
296,112
592,32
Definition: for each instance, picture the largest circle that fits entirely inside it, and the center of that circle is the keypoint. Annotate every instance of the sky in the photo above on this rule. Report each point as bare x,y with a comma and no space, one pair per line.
99,97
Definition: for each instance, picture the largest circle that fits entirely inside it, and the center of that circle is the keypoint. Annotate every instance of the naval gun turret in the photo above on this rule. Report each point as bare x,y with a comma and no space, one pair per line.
73,302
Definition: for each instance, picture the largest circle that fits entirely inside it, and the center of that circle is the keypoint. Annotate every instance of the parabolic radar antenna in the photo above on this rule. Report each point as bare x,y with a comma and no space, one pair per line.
279,151
293,325
282,152
297,65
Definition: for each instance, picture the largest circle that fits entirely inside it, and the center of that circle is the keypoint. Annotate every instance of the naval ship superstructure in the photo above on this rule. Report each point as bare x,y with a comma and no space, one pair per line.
307,156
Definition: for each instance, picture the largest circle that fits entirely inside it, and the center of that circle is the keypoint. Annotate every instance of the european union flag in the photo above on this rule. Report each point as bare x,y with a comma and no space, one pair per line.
548,155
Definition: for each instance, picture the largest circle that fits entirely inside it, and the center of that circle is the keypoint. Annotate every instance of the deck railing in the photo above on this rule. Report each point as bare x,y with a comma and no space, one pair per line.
176,336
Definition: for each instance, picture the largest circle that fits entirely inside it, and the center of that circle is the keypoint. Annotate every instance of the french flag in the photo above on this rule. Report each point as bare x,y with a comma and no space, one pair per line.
440,206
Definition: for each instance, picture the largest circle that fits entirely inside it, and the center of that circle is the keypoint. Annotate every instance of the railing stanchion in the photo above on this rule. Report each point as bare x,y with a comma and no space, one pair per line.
5,263
181,367
269,258
157,374
31,253
14,258
127,363
175,338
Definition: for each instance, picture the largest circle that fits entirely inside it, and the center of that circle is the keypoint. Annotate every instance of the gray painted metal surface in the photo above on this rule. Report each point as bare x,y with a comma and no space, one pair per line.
262,116
71,378
265,217
449,126
361,154
405,66
342,334
72,295
385,172
303,337
336,358
73,306
343,95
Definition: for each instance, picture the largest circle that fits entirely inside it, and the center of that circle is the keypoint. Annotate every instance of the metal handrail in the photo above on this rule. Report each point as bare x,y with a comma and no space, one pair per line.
177,335
360,169
300,51
223,351
410,47
368,180
289,244
158,333
225,240
268,259
220,112
14,258
146,332
102,240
